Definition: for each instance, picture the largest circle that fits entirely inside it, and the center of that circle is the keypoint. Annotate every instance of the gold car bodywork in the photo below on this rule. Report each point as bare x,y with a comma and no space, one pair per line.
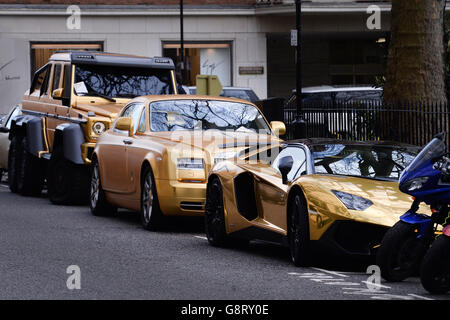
324,208
180,192
85,110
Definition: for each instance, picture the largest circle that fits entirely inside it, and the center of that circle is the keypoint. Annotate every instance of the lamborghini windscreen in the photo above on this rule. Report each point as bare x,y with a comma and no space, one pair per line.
368,161
206,115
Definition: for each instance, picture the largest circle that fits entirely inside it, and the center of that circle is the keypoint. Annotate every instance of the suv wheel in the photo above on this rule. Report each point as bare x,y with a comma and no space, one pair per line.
68,183
29,176
13,161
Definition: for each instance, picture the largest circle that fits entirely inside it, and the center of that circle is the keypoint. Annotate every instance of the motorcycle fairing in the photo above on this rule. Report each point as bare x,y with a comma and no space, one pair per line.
422,220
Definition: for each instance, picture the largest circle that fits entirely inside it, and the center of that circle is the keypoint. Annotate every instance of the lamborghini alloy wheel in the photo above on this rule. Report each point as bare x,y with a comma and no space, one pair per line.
298,232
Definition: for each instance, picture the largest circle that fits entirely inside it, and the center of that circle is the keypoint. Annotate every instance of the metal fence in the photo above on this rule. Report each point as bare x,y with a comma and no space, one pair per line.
414,123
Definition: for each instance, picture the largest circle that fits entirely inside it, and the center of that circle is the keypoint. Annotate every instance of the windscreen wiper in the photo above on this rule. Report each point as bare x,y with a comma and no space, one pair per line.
96,94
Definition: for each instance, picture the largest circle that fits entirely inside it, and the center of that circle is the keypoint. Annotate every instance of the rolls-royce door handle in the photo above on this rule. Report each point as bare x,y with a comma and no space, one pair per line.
128,141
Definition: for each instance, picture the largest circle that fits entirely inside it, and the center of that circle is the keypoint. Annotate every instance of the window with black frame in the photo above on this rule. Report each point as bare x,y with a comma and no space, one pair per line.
121,82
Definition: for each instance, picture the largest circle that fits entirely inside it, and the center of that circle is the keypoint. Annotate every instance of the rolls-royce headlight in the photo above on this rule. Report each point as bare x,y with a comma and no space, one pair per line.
223,156
98,127
190,164
353,202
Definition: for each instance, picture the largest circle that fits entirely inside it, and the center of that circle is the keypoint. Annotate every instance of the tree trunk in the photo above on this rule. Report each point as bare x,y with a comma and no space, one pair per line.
415,66
415,91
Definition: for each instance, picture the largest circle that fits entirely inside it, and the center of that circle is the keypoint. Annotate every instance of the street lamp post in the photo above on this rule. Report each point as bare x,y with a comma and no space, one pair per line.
298,19
181,43
299,122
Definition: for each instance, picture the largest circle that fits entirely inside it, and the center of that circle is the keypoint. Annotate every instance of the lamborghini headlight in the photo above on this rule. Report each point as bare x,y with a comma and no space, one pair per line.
352,202
98,127
415,184
190,163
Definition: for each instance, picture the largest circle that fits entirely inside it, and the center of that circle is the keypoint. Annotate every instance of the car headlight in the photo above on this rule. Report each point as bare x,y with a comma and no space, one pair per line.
98,127
353,202
415,184
190,163
223,156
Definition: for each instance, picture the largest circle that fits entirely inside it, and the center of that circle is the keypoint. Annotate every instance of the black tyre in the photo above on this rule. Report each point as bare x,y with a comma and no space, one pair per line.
68,183
435,268
30,172
214,214
400,253
14,154
98,204
151,215
298,232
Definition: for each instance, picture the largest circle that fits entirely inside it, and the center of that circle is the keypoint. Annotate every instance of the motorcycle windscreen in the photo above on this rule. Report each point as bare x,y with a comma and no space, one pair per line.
434,149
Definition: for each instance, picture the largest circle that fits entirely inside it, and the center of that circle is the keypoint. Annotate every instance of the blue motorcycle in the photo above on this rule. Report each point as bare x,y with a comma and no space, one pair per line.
427,180
435,269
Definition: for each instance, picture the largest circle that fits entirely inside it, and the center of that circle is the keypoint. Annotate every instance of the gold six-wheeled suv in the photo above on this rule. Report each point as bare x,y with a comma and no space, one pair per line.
71,101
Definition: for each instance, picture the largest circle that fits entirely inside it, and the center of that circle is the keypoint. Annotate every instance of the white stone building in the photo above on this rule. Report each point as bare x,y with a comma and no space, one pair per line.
338,46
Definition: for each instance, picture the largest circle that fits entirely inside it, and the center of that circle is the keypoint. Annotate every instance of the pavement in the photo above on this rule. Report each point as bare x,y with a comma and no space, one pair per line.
63,252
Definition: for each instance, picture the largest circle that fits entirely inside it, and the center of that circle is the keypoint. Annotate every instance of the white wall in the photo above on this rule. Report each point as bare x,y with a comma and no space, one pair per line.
140,35
14,72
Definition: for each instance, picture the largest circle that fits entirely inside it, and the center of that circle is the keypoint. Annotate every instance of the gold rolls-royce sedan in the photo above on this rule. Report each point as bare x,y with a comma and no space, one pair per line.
156,156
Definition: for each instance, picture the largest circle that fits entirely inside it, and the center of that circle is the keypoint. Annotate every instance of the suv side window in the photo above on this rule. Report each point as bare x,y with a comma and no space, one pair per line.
67,80
44,86
56,77
134,111
38,80
359,95
318,97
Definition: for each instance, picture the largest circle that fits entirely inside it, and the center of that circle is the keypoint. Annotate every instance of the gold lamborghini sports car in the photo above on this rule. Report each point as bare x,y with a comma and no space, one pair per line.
156,156
312,193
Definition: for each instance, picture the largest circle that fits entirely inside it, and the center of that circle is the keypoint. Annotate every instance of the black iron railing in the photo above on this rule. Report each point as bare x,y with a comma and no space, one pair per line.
414,123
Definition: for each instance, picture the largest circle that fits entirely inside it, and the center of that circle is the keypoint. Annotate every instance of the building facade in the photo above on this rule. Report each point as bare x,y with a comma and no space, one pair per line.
247,43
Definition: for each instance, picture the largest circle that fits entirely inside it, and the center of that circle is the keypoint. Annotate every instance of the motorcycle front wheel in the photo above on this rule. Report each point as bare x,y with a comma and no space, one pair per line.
400,252
435,268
